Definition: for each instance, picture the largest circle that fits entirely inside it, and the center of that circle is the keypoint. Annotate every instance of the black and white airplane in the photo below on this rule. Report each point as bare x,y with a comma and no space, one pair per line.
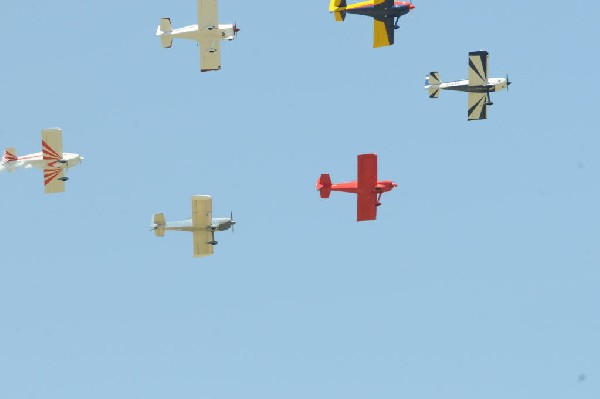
478,85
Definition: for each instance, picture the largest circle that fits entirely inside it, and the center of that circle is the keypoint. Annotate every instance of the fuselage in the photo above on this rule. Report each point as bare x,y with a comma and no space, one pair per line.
217,224
352,187
192,32
493,85
369,8
37,161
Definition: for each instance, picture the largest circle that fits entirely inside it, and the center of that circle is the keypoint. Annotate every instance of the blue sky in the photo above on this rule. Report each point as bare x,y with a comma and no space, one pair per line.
479,279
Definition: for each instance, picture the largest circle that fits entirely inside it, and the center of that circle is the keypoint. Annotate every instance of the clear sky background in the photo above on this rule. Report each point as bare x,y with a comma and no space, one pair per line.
479,280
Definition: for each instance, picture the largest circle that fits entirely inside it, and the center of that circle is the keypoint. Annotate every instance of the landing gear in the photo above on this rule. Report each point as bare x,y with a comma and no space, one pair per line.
489,100
396,26
213,242
64,178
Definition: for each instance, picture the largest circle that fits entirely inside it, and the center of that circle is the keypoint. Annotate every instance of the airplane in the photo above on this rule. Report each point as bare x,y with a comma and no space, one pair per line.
51,160
385,13
208,33
479,86
367,187
202,224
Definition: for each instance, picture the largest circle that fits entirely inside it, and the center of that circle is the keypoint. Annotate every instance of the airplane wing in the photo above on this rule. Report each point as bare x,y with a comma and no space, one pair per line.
367,171
478,66
201,243
52,144
52,182
477,106
210,55
201,221
207,14
383,32
366,201
366,206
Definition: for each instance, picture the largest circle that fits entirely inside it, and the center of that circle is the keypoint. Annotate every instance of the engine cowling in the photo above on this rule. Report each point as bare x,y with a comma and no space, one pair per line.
228,32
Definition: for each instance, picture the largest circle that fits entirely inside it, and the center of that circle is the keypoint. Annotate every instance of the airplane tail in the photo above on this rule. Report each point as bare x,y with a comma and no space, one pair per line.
164,31
335,6
324,185
10,155
158,224
433,81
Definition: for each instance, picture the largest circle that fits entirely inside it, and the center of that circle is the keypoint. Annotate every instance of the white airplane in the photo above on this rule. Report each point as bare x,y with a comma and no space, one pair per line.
201,224
208,33
478,85
51,160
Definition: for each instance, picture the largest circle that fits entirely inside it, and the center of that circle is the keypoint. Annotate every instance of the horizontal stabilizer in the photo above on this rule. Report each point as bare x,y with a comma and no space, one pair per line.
340,15
164,31
434,78
166,41
434,92
158,224
164,26
324,185
10,155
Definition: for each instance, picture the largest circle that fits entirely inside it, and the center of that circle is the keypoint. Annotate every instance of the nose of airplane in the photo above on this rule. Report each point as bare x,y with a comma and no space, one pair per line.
411,6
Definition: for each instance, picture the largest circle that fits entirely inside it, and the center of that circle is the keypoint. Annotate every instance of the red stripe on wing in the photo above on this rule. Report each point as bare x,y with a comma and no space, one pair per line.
50,174
48,152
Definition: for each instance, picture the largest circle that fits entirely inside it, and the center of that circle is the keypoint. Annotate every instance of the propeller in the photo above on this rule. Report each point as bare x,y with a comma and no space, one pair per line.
232,222
508,82
235,28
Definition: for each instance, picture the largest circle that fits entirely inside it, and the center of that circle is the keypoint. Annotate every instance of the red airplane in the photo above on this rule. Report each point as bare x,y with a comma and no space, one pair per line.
367,187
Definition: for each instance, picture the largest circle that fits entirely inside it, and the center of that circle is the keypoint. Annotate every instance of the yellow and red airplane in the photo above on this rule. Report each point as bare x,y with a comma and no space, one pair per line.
385,13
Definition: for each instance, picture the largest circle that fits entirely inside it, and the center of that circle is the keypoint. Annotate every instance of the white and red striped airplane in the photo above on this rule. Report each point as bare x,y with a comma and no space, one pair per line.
51,160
